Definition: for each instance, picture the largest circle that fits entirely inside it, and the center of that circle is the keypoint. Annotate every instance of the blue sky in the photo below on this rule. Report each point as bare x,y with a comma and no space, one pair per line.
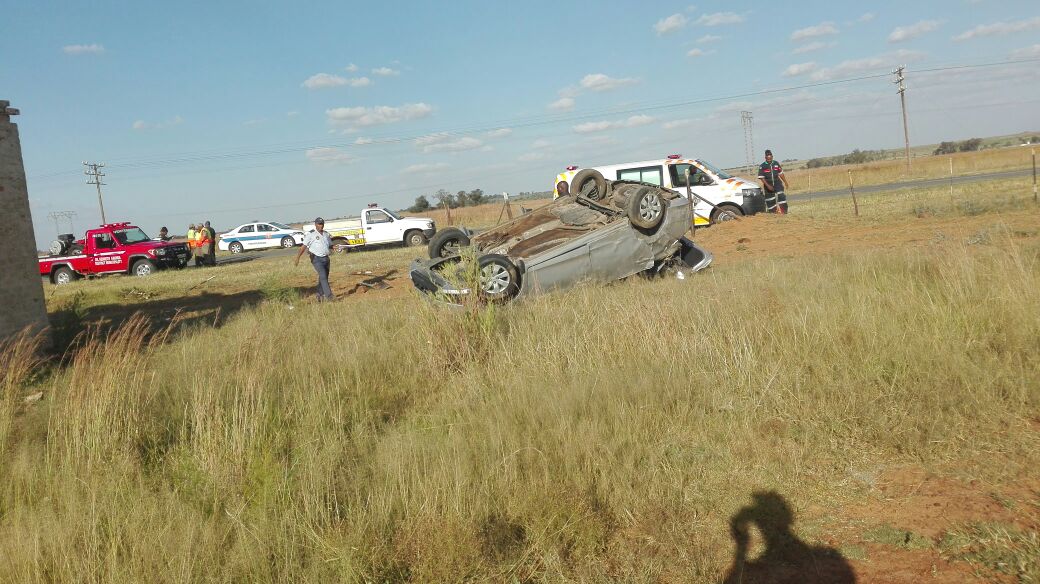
233,111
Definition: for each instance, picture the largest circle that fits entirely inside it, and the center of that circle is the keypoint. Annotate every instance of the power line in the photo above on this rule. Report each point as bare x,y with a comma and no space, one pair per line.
531,121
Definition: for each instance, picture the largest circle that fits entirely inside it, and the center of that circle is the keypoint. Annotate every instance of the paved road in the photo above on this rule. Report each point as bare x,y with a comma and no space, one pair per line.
933,182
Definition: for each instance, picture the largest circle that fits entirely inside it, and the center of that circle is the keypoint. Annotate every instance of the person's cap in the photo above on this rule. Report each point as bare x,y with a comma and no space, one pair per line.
769,152
320,221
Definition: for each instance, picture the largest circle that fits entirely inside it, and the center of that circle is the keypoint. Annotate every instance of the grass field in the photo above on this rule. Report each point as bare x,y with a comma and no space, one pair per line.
880,382
924,167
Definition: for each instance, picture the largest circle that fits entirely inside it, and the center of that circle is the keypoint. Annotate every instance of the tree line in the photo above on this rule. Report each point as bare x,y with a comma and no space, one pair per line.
471,198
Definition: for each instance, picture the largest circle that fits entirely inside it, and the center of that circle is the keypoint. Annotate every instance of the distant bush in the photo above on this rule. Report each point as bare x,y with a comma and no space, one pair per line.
970,145
857,156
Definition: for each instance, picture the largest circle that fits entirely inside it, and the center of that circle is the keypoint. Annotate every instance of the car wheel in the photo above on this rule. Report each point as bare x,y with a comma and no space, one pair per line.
75,249
142,268
235,247
448,242
63,275
726,213
589,184
288,242
414,238
646,207
499,278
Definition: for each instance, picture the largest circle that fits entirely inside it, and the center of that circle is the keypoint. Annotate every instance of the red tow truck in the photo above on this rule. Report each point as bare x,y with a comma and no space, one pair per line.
113,248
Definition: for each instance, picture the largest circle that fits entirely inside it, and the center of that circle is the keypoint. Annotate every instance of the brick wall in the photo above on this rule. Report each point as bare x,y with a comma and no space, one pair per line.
21,290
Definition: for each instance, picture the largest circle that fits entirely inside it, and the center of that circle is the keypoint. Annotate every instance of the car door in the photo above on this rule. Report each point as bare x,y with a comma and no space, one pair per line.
246,235
107,255
266,235
701,183
380,228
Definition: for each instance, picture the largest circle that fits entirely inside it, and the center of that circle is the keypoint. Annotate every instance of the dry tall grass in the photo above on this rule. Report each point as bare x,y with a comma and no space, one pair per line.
604,434
925,167
482,215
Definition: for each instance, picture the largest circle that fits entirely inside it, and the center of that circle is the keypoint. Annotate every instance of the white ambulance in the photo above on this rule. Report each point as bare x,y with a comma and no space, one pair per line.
717,191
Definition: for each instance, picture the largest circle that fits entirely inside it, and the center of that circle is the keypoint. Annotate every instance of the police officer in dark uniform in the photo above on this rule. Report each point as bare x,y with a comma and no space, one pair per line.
774,182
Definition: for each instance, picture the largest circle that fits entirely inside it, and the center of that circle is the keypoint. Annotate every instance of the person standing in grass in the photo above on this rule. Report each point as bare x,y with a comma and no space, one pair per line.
318,244
202,245
774,183
211,250
191,240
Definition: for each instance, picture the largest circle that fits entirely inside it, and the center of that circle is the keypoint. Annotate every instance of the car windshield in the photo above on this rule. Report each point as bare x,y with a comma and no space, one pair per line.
392,214
715,170
130,236
281,226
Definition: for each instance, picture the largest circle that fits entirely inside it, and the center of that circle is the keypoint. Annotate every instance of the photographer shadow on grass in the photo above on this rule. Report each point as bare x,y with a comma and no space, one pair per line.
786,558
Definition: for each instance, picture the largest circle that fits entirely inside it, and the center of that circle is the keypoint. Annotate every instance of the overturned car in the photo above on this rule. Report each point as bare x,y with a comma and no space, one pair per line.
606,231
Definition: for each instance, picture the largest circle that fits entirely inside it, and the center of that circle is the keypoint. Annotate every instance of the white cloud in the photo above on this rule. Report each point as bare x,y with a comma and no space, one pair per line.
906,33
1026,52
254,122
854,66
499,133
799,69
810,47
670,24
351,68
601,82
681,123
329,156
811,32
325,80
531,156
143,125
429,167
698,53
867,17
540,144
708,38
362,141
385,72
999,28
374,116
631,122
563,104
720,18
443,142
292,114
94,49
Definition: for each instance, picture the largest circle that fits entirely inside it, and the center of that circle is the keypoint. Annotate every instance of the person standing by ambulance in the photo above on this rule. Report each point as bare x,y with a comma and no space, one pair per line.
318,244
191,240
774,183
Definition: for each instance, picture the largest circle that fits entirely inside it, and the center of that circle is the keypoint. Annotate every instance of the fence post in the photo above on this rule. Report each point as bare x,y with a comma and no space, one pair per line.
1034,177
852,189
952,201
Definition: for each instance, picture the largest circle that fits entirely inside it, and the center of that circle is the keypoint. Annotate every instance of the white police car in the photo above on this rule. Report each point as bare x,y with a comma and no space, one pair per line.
259,236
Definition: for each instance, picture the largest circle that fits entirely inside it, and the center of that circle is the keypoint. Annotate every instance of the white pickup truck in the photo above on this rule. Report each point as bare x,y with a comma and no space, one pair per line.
378,226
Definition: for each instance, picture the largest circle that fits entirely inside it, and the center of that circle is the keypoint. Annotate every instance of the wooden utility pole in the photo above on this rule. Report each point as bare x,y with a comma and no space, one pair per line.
1035,201
96,177
902,100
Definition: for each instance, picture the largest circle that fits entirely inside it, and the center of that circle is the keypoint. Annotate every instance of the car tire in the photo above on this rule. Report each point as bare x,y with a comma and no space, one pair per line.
414,238
448,242
235,247
143,268
62,275
75,249
288,242
620,194
646,208
499,278
589,184
724,213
